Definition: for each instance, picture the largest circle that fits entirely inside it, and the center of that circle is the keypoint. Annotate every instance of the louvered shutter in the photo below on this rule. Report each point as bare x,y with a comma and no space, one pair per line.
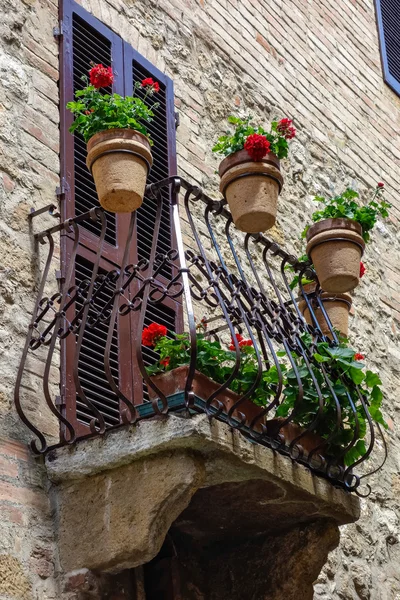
388,18
162,132
86,40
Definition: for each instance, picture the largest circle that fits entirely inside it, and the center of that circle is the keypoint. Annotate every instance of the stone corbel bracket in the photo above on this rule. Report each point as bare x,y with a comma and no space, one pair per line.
116,497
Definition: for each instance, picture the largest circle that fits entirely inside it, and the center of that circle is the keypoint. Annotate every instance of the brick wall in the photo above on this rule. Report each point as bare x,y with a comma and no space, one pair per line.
315,61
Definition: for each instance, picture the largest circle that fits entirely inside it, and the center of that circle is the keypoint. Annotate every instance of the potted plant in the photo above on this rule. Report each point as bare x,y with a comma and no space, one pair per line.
250,174
114,128
293,418
337,306
336,241
214,365
344,366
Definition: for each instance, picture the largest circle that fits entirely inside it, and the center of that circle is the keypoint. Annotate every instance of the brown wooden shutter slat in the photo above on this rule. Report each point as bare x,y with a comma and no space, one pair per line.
158,131
94,383
88,47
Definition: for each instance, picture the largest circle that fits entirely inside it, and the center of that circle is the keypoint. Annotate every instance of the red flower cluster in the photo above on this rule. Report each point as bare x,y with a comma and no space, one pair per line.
286,129
242,342
257,146
101,76
362,269
149,82
381,184
165,361
152,333
359,356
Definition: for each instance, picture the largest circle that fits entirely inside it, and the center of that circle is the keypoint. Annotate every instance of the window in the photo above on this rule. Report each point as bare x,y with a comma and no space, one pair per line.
86,40
388,17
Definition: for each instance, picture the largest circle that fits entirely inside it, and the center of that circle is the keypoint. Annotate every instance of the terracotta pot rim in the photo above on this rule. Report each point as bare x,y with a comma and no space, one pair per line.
327,224
228,392
344,298
118,133
331,296
242,156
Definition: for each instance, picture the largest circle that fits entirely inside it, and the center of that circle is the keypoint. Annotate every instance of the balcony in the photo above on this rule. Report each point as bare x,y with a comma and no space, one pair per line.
172,448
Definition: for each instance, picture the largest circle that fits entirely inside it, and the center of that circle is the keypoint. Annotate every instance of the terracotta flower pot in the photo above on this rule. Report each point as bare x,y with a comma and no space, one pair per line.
173,382
337,307
335,247
119,160
251,190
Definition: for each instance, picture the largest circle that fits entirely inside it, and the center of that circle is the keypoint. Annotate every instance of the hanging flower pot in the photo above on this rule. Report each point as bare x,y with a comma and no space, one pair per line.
119,160
118,146
337,308
251,190
250,174
336,241
174,382
335,247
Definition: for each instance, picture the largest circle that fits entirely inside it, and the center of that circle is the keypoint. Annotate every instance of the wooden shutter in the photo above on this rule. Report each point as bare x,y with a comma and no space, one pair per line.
86,40
388,18
162,132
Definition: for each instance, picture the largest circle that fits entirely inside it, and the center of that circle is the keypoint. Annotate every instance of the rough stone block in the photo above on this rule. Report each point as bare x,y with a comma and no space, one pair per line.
119,519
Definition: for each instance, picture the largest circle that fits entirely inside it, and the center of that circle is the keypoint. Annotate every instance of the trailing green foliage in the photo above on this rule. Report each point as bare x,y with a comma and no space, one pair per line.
233,142
344,372
345,206
95,111
217,364
296,279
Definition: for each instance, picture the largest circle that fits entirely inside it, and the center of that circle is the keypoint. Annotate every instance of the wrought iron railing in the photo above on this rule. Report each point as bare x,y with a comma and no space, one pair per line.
241,283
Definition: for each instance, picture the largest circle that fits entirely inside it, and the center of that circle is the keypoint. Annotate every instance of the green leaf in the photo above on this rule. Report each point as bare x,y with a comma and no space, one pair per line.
372,379
358,450
376,396
356,375
319,358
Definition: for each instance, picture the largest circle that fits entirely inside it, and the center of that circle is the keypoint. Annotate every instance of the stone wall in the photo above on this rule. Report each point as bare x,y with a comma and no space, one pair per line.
315,61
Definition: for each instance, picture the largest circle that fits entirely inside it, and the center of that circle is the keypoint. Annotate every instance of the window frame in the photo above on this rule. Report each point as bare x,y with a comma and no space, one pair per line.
388,78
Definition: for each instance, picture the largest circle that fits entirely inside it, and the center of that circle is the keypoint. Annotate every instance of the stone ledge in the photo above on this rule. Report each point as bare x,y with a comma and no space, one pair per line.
226,455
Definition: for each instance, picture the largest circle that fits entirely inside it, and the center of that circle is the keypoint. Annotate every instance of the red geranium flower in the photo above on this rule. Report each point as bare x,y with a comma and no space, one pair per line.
165,361
101,76
245,343
359,356
362,269
152,333
257,146
286,128
239,339
242,342
381,184
151,83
